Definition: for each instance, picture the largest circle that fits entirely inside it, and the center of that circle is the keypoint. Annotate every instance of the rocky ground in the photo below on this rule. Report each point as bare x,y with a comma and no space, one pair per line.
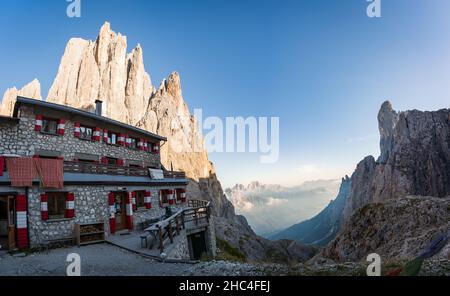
108,260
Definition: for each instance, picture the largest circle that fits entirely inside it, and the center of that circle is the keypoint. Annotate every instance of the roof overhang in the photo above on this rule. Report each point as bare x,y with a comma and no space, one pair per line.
62,108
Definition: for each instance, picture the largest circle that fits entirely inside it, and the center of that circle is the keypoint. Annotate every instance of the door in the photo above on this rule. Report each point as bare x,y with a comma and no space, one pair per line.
198,245
121,213
7,222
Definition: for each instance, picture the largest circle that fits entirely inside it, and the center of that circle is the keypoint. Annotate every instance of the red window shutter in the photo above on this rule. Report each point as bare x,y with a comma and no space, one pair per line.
2,165
148,200
77,131
170,196
156,148
129,212
38,123
97,134
183,195
133,199
104,160
61,127
21,222
44,207
70,205
112,212
121,140
120,162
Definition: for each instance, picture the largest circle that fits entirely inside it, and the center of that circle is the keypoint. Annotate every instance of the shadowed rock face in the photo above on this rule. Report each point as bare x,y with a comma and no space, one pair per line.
387,120
414,160
397,229
380,215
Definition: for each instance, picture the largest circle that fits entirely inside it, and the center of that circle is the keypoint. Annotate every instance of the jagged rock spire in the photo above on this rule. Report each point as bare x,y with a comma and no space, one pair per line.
31,90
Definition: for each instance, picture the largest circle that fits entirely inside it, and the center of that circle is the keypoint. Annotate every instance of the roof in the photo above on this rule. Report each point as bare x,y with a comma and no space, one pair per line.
7,118
94,179
75,111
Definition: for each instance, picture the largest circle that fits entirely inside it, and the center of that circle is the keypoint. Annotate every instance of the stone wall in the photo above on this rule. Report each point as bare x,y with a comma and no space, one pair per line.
211,238
8,133
180,249
28,141
91,205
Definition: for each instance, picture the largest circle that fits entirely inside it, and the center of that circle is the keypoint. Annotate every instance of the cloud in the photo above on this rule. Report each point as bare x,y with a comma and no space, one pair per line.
312,172
275,201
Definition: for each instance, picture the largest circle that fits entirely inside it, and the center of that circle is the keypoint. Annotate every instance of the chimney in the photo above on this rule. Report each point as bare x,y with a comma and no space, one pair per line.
98,107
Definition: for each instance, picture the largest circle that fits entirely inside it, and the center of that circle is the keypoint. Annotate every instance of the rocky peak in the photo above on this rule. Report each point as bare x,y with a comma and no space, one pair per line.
387,120
414,160
31,90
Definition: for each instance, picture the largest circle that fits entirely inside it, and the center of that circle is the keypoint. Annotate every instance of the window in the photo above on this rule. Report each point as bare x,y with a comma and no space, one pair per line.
140,199
49,126
56,204
178,196
133,143
112,161
112,138
86,160
163,196
86,132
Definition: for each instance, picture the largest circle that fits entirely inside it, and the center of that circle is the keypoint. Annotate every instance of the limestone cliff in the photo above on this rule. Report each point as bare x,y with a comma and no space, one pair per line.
103,69
31,90
414,159
398,202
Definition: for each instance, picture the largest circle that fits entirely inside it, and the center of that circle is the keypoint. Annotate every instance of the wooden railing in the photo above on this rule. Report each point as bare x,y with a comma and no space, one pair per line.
197,203
104,169
188,218
174,175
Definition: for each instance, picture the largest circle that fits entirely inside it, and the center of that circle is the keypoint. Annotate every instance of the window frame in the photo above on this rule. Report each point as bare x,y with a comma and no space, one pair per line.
61,205
86,127
140,196
135,141
47,119
116,135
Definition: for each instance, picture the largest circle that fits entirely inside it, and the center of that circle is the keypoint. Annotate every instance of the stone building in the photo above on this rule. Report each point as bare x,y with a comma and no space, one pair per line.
62,167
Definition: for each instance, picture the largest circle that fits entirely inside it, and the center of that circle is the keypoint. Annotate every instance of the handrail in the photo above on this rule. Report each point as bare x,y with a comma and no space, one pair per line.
171,226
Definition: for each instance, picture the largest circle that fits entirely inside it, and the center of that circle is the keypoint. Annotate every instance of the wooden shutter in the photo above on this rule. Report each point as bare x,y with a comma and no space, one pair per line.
44,207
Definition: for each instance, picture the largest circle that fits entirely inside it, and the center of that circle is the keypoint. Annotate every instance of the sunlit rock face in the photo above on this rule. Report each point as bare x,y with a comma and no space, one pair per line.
31,90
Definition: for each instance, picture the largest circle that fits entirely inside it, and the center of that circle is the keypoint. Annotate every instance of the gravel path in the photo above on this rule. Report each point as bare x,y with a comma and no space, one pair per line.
108,260
101,259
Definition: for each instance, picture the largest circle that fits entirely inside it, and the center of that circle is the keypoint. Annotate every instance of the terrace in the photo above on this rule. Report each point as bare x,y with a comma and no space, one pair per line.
104,169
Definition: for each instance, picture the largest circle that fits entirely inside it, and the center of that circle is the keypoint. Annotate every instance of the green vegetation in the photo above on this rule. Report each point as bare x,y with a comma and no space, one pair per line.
229,253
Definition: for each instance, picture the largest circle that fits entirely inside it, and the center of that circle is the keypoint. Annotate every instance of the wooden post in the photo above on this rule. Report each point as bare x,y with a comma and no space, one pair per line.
170,232
182,220
178,226
161,239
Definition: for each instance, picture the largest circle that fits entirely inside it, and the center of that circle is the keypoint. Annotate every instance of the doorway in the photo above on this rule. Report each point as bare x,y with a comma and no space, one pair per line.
7,222
198,242
121,210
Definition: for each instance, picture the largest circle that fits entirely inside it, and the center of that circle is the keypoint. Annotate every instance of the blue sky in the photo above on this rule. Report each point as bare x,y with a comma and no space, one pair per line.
322,66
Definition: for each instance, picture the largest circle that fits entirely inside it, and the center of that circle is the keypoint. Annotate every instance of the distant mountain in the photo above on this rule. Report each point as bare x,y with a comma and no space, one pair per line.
270,208
321,229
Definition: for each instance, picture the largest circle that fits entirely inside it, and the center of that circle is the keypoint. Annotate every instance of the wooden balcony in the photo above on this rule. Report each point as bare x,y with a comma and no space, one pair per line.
103,169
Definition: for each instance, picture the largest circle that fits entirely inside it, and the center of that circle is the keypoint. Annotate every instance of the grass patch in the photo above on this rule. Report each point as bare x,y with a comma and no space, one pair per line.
229,253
